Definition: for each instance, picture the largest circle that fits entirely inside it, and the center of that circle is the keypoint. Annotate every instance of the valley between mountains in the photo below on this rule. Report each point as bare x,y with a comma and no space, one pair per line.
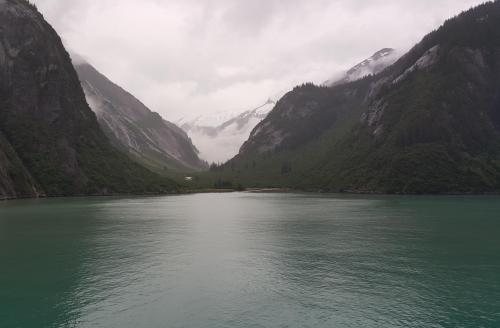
423,122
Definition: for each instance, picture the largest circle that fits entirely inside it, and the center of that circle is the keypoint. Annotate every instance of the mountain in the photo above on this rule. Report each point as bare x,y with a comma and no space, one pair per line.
50,141
220,136
373,65
132,127
429,123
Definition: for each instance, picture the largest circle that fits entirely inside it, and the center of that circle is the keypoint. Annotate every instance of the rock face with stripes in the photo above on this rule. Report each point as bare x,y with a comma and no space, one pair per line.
134,128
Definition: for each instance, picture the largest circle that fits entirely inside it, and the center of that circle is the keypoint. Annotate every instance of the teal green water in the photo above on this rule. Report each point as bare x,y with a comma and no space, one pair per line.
251,260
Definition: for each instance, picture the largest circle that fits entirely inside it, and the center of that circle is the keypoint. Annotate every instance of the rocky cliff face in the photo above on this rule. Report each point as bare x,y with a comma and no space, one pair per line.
134,128
427,124
51,143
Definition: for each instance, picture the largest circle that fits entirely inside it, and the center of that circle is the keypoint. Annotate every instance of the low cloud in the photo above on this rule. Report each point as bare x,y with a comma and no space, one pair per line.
188,57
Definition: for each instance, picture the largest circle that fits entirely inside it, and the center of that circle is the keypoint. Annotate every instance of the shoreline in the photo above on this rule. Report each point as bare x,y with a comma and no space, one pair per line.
249,190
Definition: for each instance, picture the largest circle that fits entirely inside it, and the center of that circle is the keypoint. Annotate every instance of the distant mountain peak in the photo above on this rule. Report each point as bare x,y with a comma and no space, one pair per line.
384,52
220,135
379,55
372,65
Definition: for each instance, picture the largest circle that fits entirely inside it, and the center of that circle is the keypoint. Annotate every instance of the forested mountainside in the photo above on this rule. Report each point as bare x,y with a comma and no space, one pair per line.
134,128
430,123
50,141
219,136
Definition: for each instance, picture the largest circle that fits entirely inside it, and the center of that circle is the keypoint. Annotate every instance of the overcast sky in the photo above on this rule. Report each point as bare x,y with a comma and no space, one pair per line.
189,57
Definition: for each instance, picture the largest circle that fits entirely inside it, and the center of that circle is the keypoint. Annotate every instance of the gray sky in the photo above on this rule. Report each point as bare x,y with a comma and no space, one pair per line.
189,57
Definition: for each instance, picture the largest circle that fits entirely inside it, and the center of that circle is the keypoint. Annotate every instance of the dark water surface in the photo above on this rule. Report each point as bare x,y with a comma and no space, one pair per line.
251,260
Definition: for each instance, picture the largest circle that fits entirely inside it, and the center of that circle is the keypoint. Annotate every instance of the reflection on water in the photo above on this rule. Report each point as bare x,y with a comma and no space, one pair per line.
251,260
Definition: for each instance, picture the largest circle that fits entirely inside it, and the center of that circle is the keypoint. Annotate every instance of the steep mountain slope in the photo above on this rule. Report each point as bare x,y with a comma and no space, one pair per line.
430,123
131,126
50,141
371,66
219,138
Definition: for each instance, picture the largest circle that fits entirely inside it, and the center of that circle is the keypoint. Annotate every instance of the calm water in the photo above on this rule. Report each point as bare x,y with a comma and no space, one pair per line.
251,260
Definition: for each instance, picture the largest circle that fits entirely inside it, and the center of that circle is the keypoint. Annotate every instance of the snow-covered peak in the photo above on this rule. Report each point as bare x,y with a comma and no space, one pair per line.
219,118
209,120
219,136
373,65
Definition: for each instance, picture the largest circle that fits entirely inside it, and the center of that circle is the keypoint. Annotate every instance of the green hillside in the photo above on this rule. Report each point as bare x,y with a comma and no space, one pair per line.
430,123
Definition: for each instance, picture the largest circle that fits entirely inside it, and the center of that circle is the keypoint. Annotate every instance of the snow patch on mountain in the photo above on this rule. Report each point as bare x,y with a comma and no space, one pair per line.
373,65
219,137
